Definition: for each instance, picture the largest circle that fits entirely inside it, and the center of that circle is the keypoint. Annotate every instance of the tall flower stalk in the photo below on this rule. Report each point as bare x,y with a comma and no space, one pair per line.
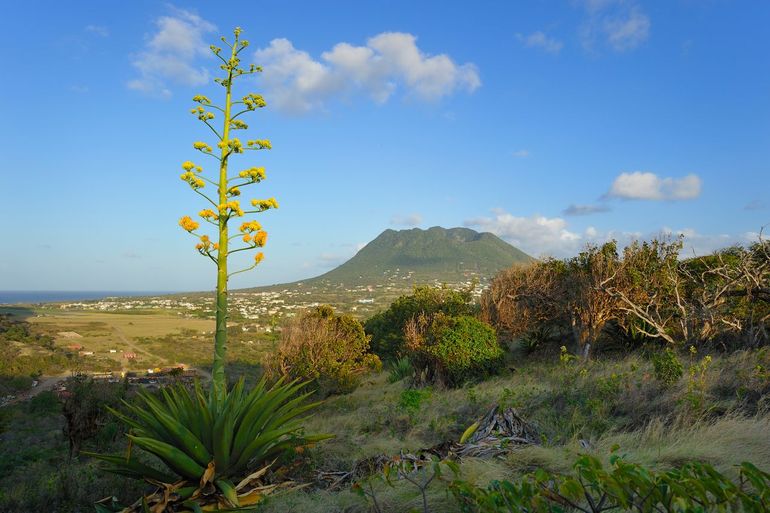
226,206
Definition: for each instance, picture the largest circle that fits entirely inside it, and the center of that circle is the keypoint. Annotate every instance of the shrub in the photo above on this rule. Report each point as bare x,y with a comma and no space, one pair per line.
624,486
668,368
411,399
452,350
387,328
330,349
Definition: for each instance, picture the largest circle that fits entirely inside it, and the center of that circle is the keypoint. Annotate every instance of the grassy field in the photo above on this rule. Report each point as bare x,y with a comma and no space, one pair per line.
721,417
102,333
717,413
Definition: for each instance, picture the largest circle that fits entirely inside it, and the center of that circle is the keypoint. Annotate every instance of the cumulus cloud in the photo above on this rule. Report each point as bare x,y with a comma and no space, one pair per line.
649,186
535,234
170,54
584,210
540,40
620,24
296,82
543,236
410,220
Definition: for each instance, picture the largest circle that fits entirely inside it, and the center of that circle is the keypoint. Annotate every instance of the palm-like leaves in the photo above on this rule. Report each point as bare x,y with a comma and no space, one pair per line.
201,439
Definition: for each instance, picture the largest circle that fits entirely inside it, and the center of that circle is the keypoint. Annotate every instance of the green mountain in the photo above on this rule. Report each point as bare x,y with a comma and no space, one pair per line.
452,255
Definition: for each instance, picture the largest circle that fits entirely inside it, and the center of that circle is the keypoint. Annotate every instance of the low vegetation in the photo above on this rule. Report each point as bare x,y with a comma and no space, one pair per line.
329,350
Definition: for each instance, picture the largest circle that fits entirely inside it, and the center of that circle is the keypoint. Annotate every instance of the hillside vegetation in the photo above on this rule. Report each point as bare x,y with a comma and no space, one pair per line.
632,371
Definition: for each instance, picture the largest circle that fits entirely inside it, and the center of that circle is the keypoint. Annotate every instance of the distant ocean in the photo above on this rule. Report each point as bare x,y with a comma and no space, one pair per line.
53,296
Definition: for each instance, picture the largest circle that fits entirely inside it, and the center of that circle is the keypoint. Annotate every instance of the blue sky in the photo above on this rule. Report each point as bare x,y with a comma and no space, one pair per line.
553,124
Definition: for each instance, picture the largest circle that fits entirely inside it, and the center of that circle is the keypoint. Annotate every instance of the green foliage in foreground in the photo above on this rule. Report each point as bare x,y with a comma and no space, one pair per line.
454,350
668,368
387,328
624,486
201,439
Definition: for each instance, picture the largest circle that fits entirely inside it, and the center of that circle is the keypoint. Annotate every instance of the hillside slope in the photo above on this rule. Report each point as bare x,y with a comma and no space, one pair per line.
453,255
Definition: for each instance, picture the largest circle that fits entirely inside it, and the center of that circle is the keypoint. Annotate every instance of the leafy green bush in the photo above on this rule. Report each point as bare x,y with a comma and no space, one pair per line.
411,399
452,350
387,328
331,350
668,368
624,486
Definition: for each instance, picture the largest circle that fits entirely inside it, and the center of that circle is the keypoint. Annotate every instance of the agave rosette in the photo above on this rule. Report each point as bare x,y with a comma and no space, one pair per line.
203,442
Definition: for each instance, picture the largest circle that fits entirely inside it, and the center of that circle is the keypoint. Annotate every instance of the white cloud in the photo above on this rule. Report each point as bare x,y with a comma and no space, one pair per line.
584,210
170,53
536,235
540,40
296,82
621,24
628,31
410,220
649,186
521,154
99,30
540,236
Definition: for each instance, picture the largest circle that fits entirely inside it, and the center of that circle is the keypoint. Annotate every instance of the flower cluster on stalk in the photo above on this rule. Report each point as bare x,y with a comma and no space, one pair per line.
226,207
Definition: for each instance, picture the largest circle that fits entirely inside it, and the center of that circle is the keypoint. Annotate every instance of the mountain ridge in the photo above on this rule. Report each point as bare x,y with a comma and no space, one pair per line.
451,255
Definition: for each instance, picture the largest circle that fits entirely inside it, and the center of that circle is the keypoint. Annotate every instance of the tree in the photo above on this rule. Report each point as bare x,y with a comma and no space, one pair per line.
589,305
225,205
525,301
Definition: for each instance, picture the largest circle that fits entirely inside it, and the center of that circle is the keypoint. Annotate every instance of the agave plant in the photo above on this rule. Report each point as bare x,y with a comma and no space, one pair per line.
204,442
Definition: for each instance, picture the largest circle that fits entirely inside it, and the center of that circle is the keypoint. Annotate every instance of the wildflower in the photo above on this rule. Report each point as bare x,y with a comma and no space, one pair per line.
234,191
215,246
201,146
237,124
246,238
233,206
260,238
194,181
255,174
188,224
199,98
261,144
254,101
258,257
187,165
235,145
207,213
263,205
250,226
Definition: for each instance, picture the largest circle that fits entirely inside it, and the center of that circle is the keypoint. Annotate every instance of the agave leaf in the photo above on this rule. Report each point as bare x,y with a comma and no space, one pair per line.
260,445
180,435
251,477
175,459
147,422
132,465
228,490
199,404
259,412
171,402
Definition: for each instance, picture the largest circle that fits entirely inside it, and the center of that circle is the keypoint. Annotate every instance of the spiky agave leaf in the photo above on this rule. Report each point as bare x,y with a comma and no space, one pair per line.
187,430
